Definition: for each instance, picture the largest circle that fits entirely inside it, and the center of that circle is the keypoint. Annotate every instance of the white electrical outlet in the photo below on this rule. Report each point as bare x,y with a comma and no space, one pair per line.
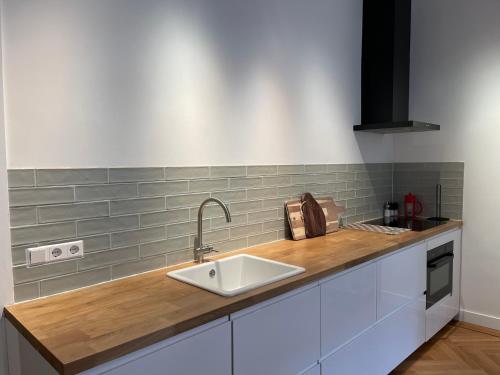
54,253
57,253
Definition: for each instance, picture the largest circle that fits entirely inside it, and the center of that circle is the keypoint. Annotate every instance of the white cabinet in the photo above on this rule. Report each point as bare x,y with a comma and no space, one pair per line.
438,316
380,349
24,359
445,310
204,351
281,338
348,306
401,278
364,321
397,324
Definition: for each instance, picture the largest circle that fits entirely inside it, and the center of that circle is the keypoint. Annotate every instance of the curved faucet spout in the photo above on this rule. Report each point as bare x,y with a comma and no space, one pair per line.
199,249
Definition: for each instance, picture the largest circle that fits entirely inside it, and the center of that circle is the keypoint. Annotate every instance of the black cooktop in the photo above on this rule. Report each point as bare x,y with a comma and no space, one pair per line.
417,225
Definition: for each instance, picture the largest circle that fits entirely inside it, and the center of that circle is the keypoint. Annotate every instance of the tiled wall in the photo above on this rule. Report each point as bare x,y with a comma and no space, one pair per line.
137,219
421,180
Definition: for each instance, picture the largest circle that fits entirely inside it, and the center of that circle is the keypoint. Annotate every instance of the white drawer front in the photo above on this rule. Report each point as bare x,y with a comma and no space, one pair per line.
401,279
379,350
280,339
348,306
207,353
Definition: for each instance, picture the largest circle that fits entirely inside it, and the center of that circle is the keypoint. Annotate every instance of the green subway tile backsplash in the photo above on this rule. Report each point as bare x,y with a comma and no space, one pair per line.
67,212
74,281
28,291
158,189
138,266
186,173
40,196
21,177
136,174
262,170
137,206
57,177
107,225
102,192
108,257
137,219
45,232
22,216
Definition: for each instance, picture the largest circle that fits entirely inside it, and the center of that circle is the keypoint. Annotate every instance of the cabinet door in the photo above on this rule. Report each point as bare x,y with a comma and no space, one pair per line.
379,350
439,315
24,359
316,370
348,306
282,338
401,278
207,353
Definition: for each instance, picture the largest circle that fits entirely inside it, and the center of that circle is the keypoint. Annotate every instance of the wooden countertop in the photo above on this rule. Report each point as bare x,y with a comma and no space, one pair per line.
81,329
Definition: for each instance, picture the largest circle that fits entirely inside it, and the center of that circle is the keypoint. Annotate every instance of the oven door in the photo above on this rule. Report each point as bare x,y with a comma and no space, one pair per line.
439,278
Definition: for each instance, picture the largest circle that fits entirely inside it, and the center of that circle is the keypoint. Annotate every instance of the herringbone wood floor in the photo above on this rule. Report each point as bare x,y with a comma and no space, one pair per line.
459,348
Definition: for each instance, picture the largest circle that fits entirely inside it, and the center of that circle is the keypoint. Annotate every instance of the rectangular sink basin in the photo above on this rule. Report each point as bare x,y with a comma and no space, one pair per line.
236,274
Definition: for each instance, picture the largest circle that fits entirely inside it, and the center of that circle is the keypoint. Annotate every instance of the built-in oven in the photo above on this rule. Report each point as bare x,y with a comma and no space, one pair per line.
439,273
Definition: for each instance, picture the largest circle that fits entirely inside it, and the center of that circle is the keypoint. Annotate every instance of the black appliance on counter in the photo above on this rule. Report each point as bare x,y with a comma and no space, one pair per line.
439,273
417,225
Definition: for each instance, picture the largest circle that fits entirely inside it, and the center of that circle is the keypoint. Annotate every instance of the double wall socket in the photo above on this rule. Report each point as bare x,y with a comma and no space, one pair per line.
54,253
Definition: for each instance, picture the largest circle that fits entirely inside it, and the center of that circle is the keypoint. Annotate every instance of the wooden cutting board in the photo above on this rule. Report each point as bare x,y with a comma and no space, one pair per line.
296,220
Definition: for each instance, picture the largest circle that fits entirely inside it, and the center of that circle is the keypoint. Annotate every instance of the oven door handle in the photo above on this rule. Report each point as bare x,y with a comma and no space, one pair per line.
441,260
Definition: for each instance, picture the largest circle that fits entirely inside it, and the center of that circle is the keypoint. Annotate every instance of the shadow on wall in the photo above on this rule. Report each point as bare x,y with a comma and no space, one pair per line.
421,179
418,178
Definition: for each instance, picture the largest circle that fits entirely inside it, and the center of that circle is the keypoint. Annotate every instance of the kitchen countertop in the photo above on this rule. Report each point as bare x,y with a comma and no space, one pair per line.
78,330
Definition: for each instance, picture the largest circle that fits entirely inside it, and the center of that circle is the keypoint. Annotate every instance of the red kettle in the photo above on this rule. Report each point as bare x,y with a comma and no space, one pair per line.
413,207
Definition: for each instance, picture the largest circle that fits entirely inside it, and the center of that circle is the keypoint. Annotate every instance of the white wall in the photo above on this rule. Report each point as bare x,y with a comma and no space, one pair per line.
6,284
184,82
455,83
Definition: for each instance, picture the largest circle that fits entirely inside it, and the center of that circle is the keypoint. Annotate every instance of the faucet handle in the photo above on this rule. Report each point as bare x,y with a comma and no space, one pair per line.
206,249
209,249
200,252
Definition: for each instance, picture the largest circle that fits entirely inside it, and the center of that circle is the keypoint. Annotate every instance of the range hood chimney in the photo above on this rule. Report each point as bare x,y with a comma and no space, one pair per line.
385,69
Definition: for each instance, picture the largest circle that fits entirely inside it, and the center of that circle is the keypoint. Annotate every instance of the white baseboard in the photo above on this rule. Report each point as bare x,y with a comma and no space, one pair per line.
480,319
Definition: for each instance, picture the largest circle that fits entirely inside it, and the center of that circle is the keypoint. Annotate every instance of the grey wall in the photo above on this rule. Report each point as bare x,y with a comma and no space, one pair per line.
138,219
421,179
455,83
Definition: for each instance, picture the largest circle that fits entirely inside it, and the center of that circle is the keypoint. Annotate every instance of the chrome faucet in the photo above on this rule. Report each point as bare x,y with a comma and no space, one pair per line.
199,249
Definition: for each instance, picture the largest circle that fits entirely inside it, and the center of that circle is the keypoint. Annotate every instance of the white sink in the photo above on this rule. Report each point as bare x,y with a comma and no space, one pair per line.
236,274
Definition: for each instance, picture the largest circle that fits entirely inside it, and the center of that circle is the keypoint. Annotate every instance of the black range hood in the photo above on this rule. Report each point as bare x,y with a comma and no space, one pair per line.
385,69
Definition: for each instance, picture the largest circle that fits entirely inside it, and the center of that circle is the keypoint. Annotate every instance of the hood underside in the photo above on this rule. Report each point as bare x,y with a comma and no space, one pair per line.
397,127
